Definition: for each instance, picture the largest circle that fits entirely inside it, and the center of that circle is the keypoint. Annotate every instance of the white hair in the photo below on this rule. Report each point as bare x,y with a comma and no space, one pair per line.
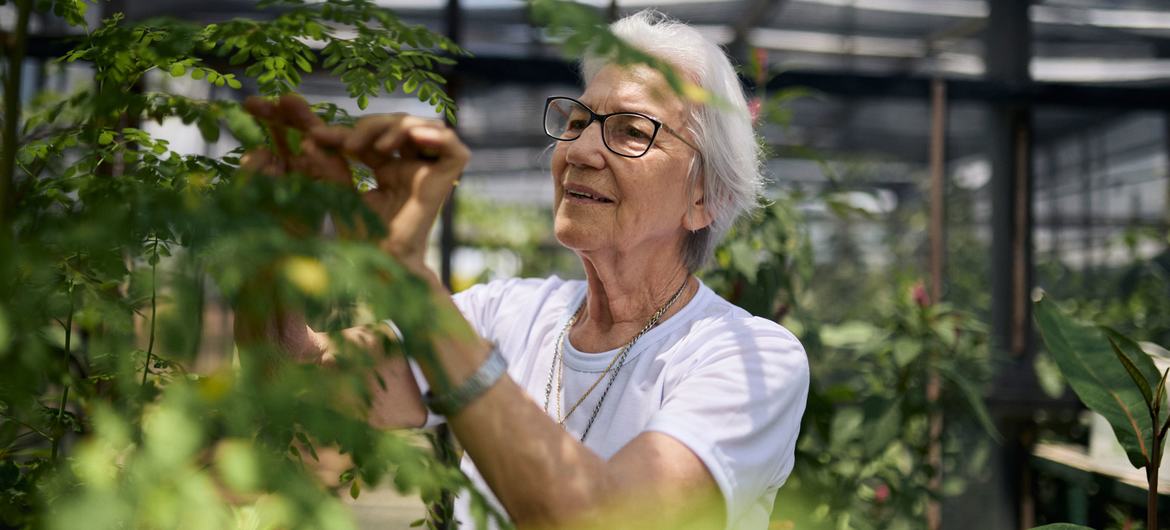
731,158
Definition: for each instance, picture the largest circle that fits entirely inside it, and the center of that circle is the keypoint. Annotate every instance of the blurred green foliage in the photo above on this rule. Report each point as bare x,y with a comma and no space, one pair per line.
117,245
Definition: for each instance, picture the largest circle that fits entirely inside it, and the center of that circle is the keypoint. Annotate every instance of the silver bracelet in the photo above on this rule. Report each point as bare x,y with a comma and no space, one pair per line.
484,378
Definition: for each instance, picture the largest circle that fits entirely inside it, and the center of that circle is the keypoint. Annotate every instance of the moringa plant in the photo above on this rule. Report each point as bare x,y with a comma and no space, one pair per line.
112,244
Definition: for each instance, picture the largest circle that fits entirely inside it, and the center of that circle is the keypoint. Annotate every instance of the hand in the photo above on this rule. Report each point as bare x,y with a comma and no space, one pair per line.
415,162
292,112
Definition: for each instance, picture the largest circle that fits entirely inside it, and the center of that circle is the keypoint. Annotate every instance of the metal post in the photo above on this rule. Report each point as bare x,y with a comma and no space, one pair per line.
447,242
1008,48
1008,58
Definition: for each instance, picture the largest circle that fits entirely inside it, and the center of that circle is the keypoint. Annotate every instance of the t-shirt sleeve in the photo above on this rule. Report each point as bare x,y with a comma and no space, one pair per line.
479,305
737,405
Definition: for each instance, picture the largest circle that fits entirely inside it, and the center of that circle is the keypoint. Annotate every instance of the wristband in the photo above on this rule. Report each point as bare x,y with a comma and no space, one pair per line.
484,378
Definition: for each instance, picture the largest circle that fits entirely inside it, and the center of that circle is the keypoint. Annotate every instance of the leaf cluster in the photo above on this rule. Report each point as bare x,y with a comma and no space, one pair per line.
120,245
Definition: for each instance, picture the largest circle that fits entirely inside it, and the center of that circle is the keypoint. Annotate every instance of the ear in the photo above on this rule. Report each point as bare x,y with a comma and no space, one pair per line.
698,216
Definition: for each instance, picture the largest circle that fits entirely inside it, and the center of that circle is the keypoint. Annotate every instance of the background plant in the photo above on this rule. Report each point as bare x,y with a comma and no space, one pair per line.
1115,378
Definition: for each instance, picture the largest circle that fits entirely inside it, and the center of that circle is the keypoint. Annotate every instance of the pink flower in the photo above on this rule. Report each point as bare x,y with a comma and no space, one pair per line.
918,293
754,108
881,493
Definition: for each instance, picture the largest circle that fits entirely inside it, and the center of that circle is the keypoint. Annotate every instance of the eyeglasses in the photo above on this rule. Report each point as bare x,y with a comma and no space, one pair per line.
628,134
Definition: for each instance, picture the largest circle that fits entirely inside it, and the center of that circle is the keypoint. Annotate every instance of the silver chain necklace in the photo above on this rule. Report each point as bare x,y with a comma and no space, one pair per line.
614,367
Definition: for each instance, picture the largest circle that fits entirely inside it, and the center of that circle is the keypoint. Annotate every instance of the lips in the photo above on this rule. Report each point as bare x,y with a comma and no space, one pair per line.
584,193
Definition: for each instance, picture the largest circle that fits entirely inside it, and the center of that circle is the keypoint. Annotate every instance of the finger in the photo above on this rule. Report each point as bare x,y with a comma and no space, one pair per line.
367,130
297,113
255,159
390,141
259,107
330,136
267,112
440,143
321,164
262,161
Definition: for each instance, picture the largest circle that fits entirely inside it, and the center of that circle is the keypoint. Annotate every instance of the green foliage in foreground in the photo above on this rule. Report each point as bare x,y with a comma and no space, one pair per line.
112,245
116,244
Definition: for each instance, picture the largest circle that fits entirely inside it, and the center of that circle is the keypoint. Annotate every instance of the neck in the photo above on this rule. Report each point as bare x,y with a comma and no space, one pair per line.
623,294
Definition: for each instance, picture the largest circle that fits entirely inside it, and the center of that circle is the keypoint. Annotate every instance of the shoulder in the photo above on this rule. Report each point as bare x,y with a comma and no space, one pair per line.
722,333
501,305
515,290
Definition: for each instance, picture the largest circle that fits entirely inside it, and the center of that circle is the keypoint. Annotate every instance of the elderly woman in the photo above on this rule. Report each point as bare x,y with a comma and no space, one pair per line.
637,397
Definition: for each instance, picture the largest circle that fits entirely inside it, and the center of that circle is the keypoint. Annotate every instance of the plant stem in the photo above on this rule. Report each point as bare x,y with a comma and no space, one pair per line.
153,310
1152,468
1152,496
12,81
65,394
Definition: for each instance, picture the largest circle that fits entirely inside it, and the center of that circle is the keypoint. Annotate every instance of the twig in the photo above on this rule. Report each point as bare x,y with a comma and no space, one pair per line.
65,394
29,427
153,309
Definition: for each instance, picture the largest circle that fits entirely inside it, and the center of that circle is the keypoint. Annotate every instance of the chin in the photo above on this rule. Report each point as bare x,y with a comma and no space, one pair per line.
575,235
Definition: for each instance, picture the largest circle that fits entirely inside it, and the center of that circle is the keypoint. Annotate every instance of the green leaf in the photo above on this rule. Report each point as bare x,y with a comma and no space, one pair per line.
178,70
5,334
1088,363
243,127
1160,392
410,84
881,432
1048,375
906,350
1134,374
745,258
363,101
1146,375
355,489
106,138
974,400
209,128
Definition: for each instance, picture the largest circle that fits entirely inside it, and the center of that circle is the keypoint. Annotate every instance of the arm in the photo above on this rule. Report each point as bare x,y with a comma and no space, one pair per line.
545,477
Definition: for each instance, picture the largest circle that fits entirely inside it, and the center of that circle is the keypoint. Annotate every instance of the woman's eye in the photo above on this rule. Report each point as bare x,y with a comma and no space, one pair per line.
577,125
634,132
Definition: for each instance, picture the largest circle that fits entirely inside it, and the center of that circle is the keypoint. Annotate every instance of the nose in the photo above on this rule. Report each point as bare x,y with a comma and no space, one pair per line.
588,149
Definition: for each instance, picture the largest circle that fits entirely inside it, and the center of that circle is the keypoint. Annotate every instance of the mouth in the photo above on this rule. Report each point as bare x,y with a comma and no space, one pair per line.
582,193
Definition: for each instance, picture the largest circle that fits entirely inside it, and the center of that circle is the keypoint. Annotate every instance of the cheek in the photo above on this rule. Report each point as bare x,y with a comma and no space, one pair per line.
558,160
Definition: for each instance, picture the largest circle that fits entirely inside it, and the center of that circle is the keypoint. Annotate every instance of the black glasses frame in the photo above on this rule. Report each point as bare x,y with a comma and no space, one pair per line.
600,118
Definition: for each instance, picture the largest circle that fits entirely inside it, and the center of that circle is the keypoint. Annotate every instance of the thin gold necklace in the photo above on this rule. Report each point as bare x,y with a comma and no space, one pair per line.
558,362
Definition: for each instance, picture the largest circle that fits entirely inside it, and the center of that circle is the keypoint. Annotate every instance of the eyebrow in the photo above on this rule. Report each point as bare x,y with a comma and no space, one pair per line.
623,111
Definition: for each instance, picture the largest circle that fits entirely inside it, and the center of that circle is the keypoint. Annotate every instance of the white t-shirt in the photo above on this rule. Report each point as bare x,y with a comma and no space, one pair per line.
728,385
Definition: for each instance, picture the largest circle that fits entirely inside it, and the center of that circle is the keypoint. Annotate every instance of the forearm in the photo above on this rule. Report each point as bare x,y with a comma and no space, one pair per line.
543,476
395,397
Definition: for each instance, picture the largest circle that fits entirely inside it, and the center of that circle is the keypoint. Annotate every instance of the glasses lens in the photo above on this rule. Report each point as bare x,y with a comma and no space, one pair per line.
565,119
629,134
